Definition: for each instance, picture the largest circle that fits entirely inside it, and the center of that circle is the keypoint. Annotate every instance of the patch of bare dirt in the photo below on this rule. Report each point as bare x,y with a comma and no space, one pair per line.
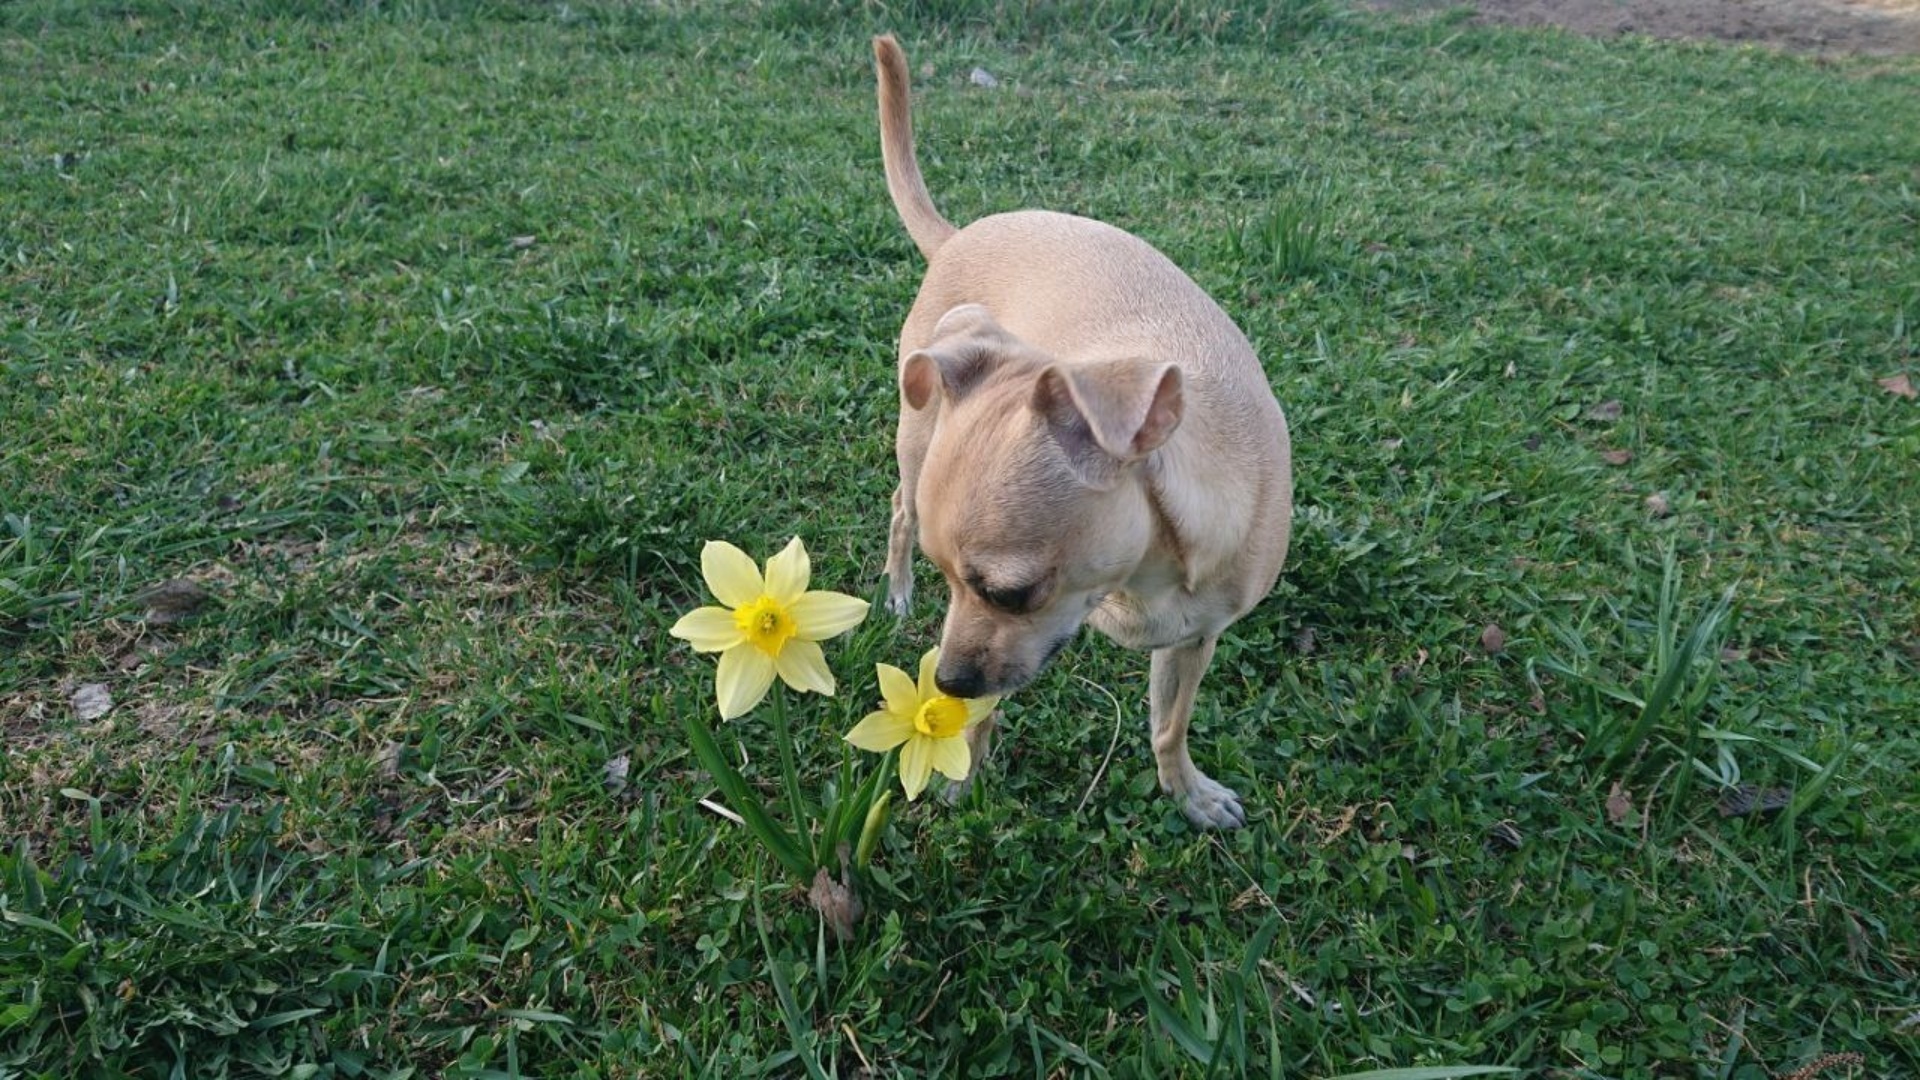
1823,27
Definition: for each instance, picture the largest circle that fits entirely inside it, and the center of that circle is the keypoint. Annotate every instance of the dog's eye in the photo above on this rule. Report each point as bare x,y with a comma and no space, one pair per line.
1014,601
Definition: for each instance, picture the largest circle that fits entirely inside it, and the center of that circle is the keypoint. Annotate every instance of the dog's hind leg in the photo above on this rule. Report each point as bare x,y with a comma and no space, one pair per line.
1172,685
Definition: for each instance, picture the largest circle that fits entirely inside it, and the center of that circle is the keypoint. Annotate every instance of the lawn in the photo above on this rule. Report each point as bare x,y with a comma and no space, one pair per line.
428,342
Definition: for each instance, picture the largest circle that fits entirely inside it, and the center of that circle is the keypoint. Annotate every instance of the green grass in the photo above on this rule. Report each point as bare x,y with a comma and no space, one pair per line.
265,323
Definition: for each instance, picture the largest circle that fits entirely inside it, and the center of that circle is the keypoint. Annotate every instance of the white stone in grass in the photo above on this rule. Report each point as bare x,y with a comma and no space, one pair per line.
983,79
92,701
617,774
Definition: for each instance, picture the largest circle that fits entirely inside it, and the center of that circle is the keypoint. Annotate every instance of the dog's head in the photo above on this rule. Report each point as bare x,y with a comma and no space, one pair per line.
1028,498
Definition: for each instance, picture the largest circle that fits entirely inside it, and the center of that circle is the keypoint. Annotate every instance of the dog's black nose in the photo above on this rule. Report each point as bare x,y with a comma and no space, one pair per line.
960,682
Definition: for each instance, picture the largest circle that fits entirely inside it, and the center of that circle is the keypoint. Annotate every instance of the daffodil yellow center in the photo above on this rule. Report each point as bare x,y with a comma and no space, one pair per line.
766,623
941,717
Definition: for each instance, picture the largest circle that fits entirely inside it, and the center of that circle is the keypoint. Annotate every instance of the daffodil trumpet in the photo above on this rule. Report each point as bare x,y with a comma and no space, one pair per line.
929,727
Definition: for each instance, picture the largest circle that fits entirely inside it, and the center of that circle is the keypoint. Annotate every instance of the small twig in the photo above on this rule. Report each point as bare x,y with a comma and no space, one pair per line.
1646,805
1112,744
1253,886
723,811
854,1041
945,978
1736,1033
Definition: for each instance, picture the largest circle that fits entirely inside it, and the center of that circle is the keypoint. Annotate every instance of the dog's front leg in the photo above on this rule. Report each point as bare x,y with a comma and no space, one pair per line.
1174,680
900,534
910,443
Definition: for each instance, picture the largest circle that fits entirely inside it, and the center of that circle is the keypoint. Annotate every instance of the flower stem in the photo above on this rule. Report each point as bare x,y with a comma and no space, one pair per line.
783,734
889,768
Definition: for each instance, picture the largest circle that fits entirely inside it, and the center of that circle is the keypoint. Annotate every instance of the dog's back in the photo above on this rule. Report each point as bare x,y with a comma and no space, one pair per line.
1107,295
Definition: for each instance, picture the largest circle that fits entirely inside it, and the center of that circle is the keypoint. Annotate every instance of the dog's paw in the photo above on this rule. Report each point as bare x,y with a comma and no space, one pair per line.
899,604
956,791
1212,805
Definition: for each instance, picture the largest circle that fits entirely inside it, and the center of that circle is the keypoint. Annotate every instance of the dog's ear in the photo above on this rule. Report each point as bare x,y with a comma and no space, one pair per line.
964,349
950,367
1119,411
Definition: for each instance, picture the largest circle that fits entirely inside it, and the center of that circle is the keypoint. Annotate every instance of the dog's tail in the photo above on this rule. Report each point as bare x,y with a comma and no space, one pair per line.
924,223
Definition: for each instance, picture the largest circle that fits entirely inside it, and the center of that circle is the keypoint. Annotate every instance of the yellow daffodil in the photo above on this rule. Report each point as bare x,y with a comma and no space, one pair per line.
769,625
929,726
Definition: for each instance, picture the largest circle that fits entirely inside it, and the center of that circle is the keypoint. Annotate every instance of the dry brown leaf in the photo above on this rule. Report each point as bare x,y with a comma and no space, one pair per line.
836,903
172,600
1899,386
1493,639
1619,804
1328,834
1657,505
387,762
1506,834
1305,641
1251,896
1748,799
1616,457
1405,671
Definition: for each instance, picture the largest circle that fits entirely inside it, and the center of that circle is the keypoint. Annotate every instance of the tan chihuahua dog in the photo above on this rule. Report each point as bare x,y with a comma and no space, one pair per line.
1084,437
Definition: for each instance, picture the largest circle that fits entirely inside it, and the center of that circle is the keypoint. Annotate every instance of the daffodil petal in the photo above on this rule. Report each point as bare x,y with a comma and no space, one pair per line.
803,666
916,765
730,573
928,664
902,697
741,680
880,732
709,629
787,572
820,615
978,708
950,756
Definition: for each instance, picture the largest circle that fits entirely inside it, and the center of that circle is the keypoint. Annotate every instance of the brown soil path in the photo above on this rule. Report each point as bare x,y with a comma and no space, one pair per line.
1831,27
